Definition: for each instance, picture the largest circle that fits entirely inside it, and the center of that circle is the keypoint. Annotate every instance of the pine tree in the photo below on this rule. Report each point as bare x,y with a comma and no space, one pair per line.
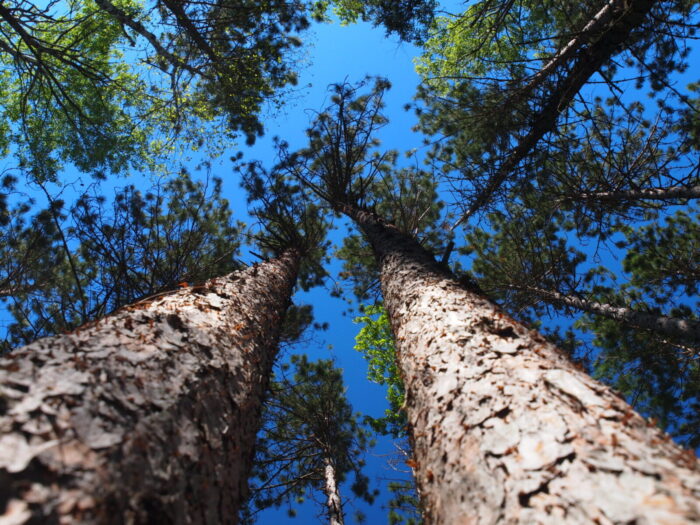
503,425
95,258
139,400
311,441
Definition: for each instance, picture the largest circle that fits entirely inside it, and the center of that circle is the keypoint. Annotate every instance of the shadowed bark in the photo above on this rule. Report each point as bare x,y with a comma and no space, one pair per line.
654,194
148,415
505,429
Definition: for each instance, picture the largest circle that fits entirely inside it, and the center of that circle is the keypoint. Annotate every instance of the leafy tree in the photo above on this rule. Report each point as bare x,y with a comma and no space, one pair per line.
65,97
113,85
108,86
375,342
409,19
311,441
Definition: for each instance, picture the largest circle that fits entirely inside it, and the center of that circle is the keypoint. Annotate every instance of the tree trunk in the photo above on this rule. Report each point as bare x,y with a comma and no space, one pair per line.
148,415
505,429
656,194
333,502
686,329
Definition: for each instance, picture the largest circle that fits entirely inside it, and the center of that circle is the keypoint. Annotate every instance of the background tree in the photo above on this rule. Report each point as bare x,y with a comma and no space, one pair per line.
113,85
409,19
178,233
310,442
376,342
530,267
217,342
561,192
528,62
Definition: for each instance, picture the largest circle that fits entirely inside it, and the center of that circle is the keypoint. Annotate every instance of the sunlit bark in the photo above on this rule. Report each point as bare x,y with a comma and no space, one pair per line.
333,501
505,429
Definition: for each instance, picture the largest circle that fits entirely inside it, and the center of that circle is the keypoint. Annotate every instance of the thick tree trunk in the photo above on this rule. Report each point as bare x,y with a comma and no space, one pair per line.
333,501
505,429
148,415
678,328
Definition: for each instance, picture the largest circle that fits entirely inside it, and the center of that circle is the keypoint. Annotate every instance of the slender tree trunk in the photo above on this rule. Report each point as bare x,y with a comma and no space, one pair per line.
333,501
505,429
656,194
146,416
679,328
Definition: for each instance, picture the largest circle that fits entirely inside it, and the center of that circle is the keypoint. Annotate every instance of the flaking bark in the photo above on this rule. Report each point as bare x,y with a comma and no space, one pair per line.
505,429
148,415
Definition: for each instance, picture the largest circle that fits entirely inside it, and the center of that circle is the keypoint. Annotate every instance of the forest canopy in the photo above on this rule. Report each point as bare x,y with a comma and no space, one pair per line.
553,170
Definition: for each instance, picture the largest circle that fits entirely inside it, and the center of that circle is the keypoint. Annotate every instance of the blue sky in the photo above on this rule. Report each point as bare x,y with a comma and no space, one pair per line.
333,54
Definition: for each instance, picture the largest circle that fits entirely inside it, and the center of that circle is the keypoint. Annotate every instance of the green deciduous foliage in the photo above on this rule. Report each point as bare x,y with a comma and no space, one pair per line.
67,95
112,85
376,343
108,85
409,19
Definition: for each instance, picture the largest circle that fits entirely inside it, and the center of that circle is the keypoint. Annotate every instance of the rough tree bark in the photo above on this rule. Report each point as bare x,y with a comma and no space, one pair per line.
679,328
148,415
657,194
505,429
333,501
